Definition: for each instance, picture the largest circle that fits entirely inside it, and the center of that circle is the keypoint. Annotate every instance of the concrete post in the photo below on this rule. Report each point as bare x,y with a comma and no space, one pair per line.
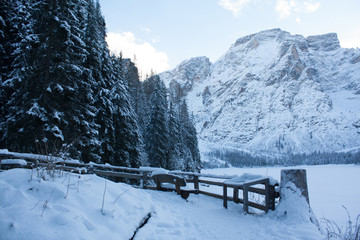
297,177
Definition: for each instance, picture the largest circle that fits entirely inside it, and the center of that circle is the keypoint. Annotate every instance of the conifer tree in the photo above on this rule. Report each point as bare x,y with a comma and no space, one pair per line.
54,94
2,71
136,92
96,60
190,142
127,136
15,49
156,130
6,8
60,86
175,147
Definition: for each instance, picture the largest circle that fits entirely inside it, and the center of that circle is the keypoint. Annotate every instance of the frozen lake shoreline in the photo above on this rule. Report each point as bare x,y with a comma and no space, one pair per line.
330,187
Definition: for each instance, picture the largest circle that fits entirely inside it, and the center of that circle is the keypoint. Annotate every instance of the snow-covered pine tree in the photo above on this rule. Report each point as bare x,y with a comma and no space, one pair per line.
15,46
138,100
156,134
130,76
141,109
2,71
6,10
191,149
88,143
56,109
104,118
99,63
175,146
118,132
6,7
134,86
62,86
127,136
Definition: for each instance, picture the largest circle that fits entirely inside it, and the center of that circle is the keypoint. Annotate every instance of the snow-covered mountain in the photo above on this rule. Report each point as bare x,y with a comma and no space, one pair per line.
275,93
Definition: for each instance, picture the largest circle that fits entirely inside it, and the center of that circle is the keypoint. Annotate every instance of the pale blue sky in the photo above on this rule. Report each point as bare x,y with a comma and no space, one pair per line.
162,33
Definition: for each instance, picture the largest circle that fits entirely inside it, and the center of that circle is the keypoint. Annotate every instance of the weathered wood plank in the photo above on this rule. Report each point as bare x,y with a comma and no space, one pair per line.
212,194
119,168
211,182
256,190
248,183
118,174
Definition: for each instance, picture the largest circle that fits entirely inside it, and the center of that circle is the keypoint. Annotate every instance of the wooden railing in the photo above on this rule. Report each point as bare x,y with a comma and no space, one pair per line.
142,178
269,191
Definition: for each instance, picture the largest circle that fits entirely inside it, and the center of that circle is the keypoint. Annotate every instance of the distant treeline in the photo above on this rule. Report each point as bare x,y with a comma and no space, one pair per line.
242,159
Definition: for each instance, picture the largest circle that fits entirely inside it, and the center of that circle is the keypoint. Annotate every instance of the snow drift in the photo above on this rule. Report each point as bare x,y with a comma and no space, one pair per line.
70,207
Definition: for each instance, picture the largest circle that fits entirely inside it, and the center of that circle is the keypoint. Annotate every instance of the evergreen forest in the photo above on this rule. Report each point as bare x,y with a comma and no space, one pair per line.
64,94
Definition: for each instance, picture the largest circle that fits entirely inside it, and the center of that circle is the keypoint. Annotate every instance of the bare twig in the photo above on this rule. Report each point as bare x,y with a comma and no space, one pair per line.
351,231
68,187
120,196
32,173
35,205
78,183
46,203
103,201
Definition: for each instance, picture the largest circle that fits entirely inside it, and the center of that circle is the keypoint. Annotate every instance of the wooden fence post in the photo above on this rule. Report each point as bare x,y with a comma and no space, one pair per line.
267,194
196,184
246,198
272,196
145,179
236,194
225,195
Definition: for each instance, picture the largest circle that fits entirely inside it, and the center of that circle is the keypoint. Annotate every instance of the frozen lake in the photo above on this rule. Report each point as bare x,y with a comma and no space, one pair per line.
330,187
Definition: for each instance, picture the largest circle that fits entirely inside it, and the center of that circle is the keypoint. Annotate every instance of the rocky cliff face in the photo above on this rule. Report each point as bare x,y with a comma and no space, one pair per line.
275,93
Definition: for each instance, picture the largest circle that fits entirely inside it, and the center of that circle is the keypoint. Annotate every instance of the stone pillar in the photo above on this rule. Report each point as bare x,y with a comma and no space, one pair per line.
297,177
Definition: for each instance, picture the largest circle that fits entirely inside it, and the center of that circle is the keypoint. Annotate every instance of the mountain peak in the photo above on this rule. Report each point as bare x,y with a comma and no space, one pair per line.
325,42
187,72
266,34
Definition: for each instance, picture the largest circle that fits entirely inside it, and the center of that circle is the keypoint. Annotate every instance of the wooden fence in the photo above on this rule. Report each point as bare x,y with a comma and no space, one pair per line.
260,186
142,177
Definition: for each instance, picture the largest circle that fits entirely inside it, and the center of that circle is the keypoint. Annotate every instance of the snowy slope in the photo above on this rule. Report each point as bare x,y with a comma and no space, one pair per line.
276,93
32,208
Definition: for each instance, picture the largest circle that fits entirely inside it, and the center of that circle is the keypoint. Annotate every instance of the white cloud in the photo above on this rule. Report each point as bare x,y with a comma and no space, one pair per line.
147,57
286,8
234,6
146,29
350,39
311,7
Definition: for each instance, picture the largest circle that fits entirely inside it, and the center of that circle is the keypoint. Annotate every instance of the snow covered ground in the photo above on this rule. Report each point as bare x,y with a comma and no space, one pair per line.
72,207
